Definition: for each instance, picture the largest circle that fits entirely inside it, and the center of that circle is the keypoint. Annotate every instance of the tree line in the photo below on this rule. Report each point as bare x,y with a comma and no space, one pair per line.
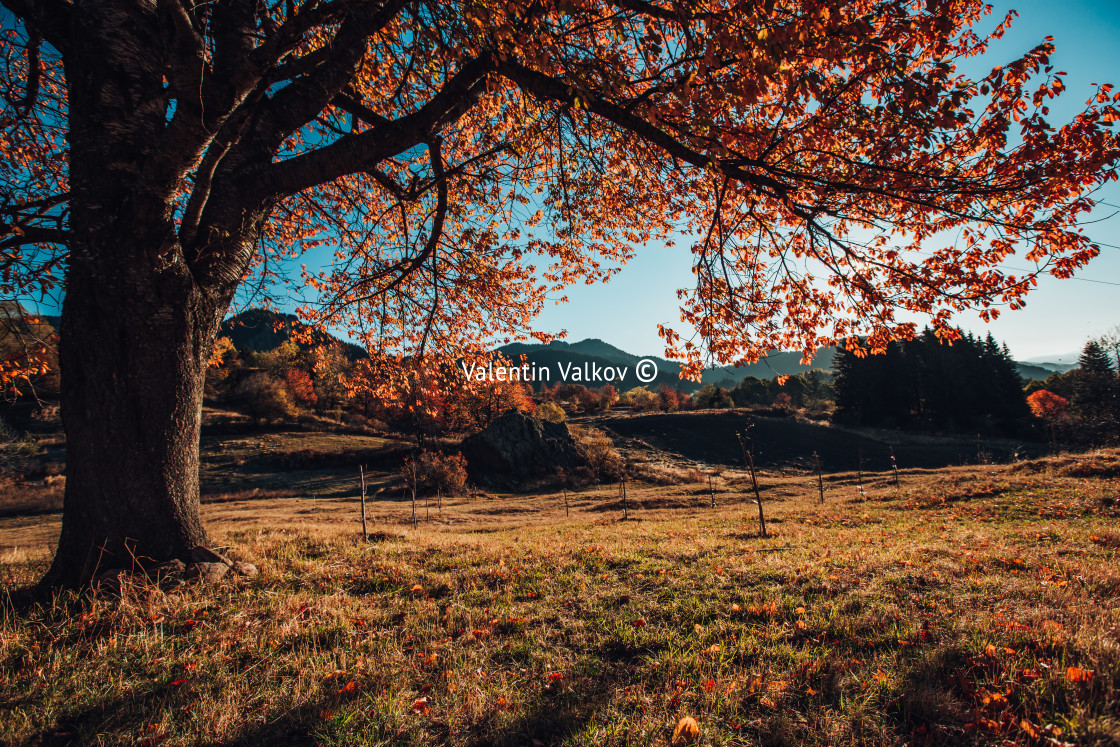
971,385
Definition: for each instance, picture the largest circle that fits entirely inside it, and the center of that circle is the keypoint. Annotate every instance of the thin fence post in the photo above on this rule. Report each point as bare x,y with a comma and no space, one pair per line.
712,491
365,532
894,464
820,478
412,475
757,494
566,512
743,448
862,494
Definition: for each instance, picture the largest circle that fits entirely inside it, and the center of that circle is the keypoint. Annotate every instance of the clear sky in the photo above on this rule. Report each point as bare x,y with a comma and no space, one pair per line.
1060,315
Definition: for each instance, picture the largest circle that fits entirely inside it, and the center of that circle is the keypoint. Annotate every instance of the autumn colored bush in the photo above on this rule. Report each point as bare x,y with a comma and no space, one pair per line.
1050,407
1047,405
436,471
300,387
551,412
598,449
264,398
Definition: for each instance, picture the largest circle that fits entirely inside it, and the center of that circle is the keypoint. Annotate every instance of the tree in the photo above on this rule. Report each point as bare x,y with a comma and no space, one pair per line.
1096,392
1049,407
157,155
926,383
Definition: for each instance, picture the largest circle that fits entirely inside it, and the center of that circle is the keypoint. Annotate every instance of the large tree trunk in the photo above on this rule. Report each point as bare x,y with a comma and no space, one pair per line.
133,363
139,317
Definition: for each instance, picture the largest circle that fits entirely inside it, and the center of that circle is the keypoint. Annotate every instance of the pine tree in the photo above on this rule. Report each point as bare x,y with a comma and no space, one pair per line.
1095,395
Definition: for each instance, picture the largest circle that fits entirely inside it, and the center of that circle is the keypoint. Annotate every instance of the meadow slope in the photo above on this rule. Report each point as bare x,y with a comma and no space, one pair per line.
971,605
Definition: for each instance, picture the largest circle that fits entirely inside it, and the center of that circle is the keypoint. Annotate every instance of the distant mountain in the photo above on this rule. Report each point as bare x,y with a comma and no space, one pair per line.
776,363
1062,359
261,330
1039,371
559,356
595,351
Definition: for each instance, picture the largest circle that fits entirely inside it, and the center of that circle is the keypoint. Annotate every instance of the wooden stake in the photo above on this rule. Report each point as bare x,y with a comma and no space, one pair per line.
862,494
439,500
820,478
757,495
711,491
894,463
743,448
365,533
566,513
412,480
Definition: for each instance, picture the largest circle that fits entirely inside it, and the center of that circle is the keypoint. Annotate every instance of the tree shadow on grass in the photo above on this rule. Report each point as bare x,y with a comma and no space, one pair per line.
554,716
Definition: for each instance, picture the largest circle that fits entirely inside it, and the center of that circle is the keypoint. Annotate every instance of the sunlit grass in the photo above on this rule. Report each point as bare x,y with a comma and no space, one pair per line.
966,606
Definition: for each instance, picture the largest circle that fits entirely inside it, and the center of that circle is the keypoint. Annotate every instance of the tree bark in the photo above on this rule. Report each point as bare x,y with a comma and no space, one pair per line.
134,363
139,317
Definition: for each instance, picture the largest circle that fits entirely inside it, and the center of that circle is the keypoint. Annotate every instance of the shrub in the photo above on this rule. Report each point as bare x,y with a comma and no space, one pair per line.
300,387
264,398
435,470
551,412
599,451
15,450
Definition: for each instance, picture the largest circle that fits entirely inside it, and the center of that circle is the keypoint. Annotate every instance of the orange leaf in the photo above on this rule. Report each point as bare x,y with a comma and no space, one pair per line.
686,732
1077,674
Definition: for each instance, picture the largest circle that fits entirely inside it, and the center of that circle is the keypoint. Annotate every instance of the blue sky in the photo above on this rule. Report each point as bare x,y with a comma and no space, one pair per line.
1060,315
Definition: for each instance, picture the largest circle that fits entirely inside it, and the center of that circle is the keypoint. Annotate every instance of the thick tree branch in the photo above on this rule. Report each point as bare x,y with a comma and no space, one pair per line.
304,98
362,151
34,235
51,18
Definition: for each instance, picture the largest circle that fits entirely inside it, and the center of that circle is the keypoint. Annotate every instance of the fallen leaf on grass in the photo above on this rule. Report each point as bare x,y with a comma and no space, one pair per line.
686,732
1077,674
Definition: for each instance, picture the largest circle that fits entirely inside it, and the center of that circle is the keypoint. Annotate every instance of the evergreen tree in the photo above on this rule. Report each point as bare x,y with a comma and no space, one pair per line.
969,385
1095,393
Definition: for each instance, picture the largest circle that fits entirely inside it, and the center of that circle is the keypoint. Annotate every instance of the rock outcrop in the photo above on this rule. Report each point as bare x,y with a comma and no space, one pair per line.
516,446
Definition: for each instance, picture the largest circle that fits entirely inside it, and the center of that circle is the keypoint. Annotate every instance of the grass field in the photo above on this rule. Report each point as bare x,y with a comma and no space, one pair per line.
974,605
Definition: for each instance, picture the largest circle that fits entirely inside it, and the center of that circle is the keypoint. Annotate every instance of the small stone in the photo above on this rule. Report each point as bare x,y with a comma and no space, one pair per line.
206,555
174,567
248,570
208,572
112,579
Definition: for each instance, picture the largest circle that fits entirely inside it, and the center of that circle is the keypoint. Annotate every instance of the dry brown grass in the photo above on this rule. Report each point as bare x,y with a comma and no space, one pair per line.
22,497
968,606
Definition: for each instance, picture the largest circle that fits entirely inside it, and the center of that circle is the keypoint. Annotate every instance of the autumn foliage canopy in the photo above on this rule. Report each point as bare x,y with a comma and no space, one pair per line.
456,163
1047,405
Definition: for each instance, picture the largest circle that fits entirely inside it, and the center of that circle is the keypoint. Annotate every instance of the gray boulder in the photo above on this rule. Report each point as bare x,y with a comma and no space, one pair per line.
516,446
